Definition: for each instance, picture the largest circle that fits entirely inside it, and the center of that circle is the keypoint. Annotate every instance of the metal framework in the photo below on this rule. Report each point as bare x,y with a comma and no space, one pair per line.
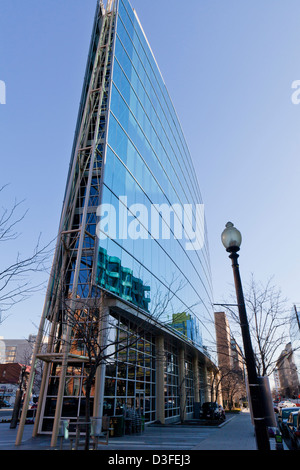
76,250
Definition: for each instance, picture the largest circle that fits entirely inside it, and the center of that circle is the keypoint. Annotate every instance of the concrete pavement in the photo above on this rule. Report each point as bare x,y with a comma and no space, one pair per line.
237,434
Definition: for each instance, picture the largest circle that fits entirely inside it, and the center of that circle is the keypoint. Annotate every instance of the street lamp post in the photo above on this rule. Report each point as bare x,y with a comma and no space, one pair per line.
232,239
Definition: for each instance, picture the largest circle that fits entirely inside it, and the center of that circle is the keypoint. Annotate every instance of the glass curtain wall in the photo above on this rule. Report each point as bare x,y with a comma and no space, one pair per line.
147,163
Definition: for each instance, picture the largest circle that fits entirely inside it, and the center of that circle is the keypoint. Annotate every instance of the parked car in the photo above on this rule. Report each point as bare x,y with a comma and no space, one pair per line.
282,417
4,404
293,429
286,403
211,410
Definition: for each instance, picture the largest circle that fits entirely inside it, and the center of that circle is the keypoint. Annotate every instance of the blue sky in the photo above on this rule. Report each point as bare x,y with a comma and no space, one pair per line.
228,66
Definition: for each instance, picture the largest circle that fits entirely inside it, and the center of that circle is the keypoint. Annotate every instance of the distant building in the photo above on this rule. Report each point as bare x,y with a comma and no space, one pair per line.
16,350
287,373
10,374
276,389
17,353
295,335
230,363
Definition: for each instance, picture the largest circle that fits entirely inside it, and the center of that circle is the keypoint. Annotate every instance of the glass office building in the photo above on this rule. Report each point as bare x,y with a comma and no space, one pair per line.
148,162
127,237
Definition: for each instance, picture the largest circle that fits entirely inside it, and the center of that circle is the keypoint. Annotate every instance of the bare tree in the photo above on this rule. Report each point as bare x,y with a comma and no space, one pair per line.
16,278
233,386
89,325
268,316
91,333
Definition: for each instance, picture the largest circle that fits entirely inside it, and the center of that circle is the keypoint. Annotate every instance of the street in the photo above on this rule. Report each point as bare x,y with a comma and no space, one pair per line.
5,413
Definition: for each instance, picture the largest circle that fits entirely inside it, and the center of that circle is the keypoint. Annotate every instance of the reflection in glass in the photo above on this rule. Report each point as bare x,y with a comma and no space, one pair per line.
119,279
148,162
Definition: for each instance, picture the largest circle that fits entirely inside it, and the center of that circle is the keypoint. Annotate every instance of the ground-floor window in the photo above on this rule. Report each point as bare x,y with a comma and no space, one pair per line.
129,381
130,378
172,389
130,371
189,385
74,394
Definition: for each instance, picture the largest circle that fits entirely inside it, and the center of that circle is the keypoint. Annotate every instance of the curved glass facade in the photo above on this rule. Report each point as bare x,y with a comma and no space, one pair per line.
132,223
149,176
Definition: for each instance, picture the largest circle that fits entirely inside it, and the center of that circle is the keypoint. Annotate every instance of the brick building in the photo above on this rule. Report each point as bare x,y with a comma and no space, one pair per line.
230,362
10,374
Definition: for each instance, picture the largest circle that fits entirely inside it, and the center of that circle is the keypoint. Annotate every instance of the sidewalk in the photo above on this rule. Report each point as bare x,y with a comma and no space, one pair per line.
236,433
